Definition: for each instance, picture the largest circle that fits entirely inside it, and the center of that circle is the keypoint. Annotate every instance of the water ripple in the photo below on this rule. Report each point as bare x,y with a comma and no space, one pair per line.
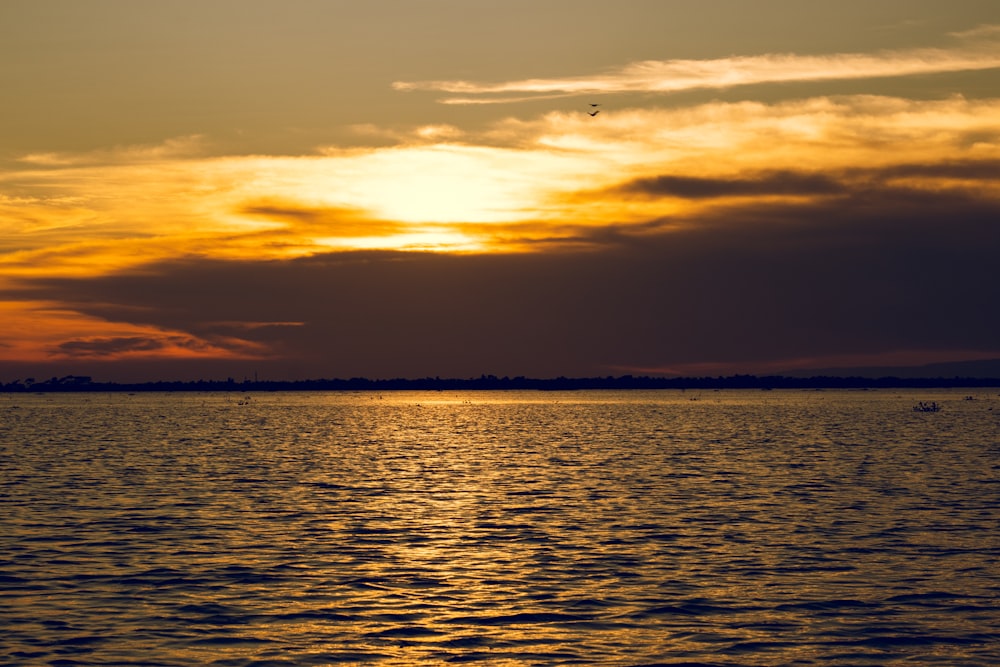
520,528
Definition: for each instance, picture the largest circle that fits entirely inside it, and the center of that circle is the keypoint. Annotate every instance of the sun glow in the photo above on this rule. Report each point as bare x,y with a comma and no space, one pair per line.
522,182
427,239
451,184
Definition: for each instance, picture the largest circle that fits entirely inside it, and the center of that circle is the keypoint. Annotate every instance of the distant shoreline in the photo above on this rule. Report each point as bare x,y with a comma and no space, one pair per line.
73,383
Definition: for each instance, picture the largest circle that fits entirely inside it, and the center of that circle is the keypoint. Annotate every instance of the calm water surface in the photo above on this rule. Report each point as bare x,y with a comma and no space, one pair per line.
511,528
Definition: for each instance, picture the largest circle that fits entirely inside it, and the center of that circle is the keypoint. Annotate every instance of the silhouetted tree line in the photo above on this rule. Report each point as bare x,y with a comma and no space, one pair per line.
76,383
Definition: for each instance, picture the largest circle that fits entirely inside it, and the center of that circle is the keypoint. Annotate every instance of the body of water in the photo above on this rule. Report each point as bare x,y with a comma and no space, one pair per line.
500,528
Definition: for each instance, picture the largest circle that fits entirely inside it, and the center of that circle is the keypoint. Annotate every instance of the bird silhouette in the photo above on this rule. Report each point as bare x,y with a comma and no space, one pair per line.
594,113
595,105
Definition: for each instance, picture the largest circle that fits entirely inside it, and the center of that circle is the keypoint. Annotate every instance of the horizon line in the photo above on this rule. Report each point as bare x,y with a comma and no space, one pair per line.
83,383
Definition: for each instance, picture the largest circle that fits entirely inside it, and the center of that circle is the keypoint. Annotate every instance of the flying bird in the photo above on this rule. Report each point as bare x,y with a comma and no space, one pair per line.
594,112
595,105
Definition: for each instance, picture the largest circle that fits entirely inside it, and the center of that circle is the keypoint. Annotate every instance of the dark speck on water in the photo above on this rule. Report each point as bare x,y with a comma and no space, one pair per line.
500,528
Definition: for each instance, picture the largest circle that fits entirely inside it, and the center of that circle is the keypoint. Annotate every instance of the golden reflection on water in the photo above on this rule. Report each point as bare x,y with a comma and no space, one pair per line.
504,528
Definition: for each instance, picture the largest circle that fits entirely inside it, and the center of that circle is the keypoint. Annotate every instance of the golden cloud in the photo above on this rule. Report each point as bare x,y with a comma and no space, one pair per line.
522,180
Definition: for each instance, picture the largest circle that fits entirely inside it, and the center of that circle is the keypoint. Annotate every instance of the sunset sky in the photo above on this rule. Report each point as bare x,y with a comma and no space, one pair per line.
410,188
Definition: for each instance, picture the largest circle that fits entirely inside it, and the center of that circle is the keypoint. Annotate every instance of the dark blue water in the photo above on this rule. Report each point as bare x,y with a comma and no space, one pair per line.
519,528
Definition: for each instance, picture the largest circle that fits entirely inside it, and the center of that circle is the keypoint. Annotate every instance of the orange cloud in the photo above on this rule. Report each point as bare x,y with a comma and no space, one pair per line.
42,331
92,216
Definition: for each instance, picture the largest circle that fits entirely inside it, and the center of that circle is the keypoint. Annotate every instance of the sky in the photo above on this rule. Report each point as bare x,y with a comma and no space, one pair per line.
292,189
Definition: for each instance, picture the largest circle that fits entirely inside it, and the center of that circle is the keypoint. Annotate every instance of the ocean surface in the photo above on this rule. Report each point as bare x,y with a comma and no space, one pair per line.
500,528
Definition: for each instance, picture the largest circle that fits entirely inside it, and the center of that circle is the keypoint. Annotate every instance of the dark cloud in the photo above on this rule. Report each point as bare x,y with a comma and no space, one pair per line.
983,170
874,272
101,347
113,347
796,183
765,183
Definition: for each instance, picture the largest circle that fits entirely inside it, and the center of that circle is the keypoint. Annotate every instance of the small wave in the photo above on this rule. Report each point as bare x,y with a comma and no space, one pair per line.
311,615
889,641
692,608
516,657
230,641
822,605
467,642
525,618
409,631
345,657
684,664
85,640
933,596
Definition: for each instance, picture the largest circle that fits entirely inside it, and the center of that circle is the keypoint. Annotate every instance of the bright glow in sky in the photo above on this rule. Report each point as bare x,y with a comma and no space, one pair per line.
222,155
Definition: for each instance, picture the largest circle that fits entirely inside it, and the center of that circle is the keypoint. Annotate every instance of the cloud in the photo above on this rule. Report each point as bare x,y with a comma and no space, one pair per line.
977,49
320,221
521,185
102,347
782,182
985,32
887,272
986,171
160,346
175,147
722,235
971,175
